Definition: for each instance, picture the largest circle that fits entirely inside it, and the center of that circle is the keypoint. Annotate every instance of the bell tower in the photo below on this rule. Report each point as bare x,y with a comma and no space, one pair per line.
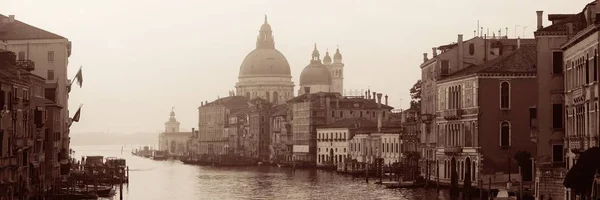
337,73
172,126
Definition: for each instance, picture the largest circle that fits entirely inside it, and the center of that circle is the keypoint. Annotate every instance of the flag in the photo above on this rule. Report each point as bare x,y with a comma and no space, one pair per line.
77,114
79,77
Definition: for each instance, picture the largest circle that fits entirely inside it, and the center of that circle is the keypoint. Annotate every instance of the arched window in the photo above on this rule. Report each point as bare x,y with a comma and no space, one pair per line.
471,49
504,95
587,69
248,95
505,134
267,96
275,97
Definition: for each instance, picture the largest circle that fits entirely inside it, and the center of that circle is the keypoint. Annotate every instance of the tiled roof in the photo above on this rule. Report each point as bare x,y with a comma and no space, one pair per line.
280,110
522,60
18,30
229,101
239,112
578,20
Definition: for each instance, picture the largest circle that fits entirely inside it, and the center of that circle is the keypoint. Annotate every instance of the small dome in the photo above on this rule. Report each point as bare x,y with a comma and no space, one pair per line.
315,74
327,58
261,62
337,55
265,27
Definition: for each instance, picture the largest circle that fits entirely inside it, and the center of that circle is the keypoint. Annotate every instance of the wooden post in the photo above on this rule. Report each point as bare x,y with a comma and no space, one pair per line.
521,187
480,188
490,188
367,172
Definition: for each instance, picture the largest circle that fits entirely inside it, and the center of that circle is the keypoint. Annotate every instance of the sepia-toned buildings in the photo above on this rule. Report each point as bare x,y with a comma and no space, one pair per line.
51,54
213,118
173,141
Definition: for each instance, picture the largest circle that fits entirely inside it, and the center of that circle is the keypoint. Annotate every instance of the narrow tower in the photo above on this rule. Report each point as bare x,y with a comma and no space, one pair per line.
337,73
172,126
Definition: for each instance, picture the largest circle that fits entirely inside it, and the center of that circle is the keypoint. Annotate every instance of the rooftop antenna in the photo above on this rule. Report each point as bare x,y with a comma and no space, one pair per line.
477,28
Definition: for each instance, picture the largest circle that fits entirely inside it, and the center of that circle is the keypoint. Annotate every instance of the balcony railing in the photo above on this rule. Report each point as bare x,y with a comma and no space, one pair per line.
452,114
578,94
452,149
26,65
576,143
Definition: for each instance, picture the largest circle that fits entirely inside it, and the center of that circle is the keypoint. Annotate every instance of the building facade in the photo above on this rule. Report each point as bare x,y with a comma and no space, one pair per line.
478,135
50,53
213,119
281,135
172,140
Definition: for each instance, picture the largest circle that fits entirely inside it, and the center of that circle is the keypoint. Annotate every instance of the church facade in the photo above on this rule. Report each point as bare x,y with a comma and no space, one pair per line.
172,140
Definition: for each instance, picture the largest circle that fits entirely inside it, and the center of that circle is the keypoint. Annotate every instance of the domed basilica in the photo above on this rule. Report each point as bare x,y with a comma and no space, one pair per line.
265,72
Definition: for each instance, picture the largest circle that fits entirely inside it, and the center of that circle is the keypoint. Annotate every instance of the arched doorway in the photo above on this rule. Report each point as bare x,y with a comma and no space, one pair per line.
467,178
173,147
453,178
331,156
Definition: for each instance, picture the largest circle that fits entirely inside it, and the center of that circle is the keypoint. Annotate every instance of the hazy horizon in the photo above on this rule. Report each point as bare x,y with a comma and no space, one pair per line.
140,58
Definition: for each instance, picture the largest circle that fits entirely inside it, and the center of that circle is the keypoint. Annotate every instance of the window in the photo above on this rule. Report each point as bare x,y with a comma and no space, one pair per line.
50,75
361,113
50,56
587,69
505,134
445,69
471,49
595,65
332,113
275,97
2,100
21,55
557,153
532,117
504,95
341,113
557,61
557,116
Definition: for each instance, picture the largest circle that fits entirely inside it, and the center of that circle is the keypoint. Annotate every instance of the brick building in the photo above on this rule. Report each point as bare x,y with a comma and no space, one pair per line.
213,117
281,135
313,110
481,119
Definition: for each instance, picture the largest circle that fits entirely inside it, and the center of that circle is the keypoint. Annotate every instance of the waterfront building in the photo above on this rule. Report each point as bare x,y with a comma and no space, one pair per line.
281,135
579,66
259,113
323,77
213,118
50,53
477,145
265,72
411,132
172,140
555,90
333,140
22,105
313,110
386,144
451,59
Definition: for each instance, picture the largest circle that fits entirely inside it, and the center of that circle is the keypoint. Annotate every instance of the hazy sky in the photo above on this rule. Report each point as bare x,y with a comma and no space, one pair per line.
141,57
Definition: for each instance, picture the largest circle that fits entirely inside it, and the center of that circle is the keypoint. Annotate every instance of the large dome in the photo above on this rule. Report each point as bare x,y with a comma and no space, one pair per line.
315,74
265,62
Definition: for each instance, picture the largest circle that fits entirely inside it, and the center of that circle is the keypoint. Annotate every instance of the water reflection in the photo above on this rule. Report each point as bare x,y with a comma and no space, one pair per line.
173,180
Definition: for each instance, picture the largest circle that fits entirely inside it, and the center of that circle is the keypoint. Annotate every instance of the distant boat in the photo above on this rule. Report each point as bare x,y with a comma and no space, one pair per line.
159,155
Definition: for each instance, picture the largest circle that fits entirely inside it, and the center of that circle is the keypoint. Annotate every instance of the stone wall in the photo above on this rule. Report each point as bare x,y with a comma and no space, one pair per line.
549,183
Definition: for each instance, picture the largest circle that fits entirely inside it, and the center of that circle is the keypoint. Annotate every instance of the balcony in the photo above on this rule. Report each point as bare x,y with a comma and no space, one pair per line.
452,150
452,114
578,94
26,65
576,143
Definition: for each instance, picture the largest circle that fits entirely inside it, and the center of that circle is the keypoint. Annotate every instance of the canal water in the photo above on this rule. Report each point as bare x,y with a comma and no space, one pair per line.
172,180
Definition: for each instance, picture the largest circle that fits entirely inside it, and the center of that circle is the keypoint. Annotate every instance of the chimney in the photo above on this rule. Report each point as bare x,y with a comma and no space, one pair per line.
386,99
11,18
306,90
424,57
366,95
379,100
193,133
369,94
201,103
569,29
539,19
461,51
434,52
337,103
518,42
374,95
